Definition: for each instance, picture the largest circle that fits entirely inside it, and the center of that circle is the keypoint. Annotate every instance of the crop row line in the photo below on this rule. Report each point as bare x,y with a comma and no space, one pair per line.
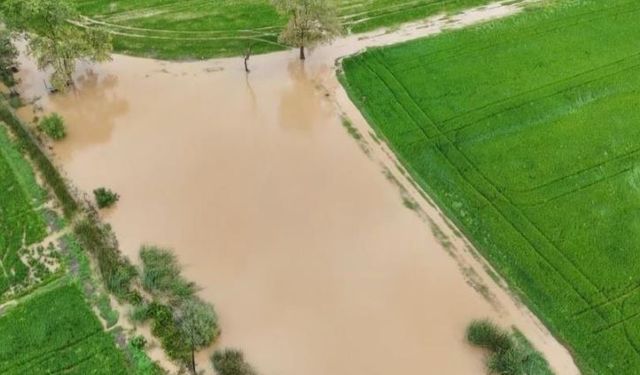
44,355
521,99
534,31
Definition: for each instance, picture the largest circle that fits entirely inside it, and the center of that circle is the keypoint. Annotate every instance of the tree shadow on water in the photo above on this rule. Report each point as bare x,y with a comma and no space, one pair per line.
90,110
301,104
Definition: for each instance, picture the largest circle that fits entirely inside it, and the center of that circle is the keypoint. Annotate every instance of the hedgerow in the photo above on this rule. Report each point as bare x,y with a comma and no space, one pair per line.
50,174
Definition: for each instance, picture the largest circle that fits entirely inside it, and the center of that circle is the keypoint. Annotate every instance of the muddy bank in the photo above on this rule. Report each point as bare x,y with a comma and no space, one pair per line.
314,262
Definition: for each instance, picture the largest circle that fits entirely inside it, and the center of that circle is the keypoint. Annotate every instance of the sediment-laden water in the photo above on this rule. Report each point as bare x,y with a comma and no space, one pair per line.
305,247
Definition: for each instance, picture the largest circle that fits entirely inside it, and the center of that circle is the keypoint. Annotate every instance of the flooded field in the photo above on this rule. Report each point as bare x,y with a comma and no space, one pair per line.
297,236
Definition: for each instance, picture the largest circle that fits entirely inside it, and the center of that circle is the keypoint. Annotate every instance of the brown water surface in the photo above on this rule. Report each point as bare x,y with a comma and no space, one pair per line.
304,246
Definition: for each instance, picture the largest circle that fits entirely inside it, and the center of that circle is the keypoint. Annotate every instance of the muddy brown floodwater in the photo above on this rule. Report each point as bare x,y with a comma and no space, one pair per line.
296,235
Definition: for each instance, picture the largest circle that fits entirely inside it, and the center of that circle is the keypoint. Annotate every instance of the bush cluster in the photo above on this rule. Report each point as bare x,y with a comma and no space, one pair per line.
161,274
510,354
105,197
231,362
53,126
116,270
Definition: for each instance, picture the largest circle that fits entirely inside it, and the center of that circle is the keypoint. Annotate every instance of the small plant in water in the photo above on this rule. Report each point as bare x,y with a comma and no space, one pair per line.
139,342
485,334
105,197
53,126
231,362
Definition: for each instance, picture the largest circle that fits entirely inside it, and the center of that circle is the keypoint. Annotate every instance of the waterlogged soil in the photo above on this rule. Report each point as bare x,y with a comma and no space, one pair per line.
303,242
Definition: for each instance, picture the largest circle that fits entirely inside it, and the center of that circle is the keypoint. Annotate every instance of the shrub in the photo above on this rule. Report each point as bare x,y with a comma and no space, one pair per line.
165,328
116,270
105,197
161,274
139,342
15,101
231,362
141,313
511,353
509,362
53,126
485,334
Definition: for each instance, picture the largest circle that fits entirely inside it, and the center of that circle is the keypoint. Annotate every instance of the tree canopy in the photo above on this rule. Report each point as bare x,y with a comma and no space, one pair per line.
311,22
55,35
198,324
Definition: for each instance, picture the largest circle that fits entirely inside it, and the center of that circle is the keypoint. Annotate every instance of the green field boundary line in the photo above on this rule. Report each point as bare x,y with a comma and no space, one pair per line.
378,13
515,38
519,100
257,31
622,323
44,355
627,156
186,39
79,362
170,6
574,189
496,195
395,8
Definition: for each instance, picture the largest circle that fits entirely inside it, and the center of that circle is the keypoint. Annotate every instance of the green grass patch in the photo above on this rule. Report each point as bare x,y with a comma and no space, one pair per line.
197,29
526,131
21,224
48,171
56,332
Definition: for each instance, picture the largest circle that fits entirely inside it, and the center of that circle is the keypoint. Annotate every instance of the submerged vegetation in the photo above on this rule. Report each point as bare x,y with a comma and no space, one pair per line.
53,126
510,353
231,362
533,155
182,321
105,198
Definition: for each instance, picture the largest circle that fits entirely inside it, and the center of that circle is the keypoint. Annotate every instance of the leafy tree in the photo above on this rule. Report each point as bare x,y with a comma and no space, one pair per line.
198,324
231,362
56,37
311,22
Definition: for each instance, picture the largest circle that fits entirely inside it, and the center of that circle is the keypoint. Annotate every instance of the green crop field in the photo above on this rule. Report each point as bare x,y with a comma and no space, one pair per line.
526,131
55,332
196,29
46,324
21,224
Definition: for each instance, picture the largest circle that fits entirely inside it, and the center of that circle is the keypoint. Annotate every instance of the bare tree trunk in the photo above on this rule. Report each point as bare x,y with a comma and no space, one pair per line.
302,56
193,360
247,56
